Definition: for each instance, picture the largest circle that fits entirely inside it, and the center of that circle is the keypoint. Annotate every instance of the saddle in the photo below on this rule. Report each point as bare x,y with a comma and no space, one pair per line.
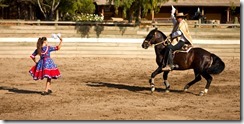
186,48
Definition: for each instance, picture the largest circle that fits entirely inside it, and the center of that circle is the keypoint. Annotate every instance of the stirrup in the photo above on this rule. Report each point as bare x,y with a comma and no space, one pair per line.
167,68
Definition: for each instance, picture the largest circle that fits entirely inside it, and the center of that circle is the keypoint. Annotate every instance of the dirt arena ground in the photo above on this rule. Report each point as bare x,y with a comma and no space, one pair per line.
115,89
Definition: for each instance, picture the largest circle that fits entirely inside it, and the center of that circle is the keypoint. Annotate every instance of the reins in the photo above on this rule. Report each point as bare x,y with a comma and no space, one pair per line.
162,42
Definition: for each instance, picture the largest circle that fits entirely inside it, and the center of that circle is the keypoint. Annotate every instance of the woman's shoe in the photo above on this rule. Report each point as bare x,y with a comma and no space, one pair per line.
45,93
50,91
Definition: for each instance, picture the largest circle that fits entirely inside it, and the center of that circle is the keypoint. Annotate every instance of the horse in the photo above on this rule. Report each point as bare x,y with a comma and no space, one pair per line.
197,15
200,60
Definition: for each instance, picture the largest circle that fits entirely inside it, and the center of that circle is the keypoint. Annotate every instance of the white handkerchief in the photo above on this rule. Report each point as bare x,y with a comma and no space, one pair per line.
55,36
173,9
58,35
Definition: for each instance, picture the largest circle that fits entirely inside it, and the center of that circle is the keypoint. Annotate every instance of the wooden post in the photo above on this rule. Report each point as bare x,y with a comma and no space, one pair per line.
103,10
202,11
228,14
56,23
18,22
214,24
199,23
196,24
152,12
57,15
38,22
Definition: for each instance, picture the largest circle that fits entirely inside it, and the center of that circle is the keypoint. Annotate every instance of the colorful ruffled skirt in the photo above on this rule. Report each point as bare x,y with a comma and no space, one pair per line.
45,68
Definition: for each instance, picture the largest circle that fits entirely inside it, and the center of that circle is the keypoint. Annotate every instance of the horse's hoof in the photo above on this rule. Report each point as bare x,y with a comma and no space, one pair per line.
185,90
201,93
152,89
186,87
167,91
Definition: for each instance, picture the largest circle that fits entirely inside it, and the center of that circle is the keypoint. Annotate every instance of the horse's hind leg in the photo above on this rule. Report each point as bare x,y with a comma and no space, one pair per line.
209,79
166,83
197,78
153,75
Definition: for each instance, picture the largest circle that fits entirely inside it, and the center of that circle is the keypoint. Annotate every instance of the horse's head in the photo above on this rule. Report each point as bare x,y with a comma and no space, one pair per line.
155,36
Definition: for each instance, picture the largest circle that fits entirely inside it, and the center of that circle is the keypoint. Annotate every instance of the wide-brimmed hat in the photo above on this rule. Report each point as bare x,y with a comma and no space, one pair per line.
181,14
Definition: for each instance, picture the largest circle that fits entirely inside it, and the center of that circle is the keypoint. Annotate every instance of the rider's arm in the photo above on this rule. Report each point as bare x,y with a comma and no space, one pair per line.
174,21
176,34
173,15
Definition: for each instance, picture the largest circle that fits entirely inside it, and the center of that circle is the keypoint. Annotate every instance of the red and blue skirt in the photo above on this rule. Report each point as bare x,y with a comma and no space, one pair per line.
45,68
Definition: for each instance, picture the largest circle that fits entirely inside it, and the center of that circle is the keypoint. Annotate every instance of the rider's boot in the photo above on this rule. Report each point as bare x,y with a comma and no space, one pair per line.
170,65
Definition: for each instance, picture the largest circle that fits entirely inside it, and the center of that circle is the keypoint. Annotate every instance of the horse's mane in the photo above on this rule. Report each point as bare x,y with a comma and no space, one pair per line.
164,36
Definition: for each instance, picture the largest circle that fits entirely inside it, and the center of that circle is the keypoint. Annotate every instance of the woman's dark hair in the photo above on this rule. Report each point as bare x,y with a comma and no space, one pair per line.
39,45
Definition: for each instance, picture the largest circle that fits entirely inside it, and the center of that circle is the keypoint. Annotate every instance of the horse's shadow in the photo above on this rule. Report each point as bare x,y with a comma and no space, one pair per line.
20,91
129,87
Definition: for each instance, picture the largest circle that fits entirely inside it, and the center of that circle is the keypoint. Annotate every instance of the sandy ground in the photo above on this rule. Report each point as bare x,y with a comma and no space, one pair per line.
115,89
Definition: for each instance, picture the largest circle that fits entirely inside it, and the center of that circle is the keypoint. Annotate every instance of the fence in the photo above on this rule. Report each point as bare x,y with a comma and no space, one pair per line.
20,28
56,23
106,49
115,23
103,49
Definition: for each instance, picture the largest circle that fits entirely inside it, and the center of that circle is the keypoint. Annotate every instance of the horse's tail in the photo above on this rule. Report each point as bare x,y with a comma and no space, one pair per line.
217,65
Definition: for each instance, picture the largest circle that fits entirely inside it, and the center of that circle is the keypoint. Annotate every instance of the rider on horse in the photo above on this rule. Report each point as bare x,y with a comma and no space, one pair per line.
179,37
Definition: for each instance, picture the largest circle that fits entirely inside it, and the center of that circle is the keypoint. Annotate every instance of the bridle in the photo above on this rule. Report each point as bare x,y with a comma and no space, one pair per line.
164,42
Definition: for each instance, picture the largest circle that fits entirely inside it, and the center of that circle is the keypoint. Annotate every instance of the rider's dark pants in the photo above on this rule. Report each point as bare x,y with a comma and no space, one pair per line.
169,52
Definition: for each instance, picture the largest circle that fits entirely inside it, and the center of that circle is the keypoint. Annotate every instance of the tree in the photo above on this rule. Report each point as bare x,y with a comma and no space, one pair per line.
2,5
48,8
74,7
20,9
138,7
84,6
125,4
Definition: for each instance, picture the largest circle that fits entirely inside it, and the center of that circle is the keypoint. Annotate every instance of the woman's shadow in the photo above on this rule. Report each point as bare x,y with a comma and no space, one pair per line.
20,91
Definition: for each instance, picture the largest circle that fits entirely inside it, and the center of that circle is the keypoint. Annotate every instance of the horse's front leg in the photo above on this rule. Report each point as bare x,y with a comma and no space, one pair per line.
153,75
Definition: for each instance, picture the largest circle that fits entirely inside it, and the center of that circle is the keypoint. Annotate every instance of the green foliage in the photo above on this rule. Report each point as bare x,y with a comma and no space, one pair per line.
77,6
83,30
125,4
138,6
232,7
66,6
98,29
78,10
155,5
85,6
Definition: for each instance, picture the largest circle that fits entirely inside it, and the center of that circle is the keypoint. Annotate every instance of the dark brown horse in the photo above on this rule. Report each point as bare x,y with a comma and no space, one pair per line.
201,61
